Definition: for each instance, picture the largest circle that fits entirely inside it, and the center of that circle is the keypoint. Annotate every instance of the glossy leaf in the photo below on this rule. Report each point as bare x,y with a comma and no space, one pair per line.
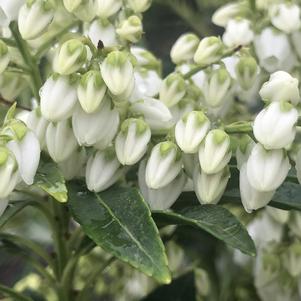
50,179
214,219
120,222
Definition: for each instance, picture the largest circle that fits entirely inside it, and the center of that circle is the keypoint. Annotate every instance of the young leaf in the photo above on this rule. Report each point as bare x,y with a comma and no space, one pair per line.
119,221
216,220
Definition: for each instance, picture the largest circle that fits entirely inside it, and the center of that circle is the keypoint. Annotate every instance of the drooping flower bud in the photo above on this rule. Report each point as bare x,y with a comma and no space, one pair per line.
117,72
91,128
191,130
131,142
107,8
238,33
146,59
246,72
184,48
209,50
251,198
281,86
215,152
34,18
285,17
139,6
9,176
130,29
4,56
91,91
60,141
210,188
70,57
275,126
162,198
291,259
267,169
163,166
225,13
103,170
58,98
173,89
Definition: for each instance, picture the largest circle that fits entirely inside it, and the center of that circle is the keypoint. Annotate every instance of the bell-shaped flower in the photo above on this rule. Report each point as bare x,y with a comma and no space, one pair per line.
191,130
275,126
163,165
162,198
34,18
146,59
91,91
58,98
173,89
139,6
238,33
251,198
209,50
91,128
132,140
130,29
285,17
9,175
117,72
184,48
210,188
103,170
225,13
267,169
4,56
70,57
107,8
60,140
215,152
9,11
281,86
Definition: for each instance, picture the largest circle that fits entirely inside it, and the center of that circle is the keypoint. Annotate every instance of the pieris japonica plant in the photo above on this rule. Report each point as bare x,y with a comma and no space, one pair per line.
117,155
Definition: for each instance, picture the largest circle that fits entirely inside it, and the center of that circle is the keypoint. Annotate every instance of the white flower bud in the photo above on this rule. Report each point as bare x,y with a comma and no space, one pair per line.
210,188
238,32
155,114
139,6
72,5
70,57
103,170
225,13
4,56
209,50
191,130
246,71
9,176
58,98
163,165
173,89
104,31
184,48
60,141
10,10
216,87
275,126
243,151
285,16
267,169
91,91
130,29
291,259
107,140
215,152
117,72
183,107
107,8
131,142
162,198
82,9
34,18
281,86
146,59
251,198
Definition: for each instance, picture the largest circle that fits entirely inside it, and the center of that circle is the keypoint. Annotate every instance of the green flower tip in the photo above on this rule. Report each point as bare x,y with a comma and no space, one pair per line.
94,76
141,125
117,58
219,136
285,106
4,154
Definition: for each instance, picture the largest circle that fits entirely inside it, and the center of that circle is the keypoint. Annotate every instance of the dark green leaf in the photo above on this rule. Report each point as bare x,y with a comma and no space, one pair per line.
50,179
120,222
216,220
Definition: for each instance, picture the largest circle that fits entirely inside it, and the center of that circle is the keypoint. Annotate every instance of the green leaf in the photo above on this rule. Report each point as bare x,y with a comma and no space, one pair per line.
119,221
50,179
10,113
6,291
216,220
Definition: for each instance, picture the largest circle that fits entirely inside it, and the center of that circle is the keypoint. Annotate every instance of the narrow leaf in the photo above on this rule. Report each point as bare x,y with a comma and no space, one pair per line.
6,291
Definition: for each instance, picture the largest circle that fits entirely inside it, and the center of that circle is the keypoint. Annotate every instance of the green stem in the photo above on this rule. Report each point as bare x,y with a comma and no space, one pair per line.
203,67
239,128
12,293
